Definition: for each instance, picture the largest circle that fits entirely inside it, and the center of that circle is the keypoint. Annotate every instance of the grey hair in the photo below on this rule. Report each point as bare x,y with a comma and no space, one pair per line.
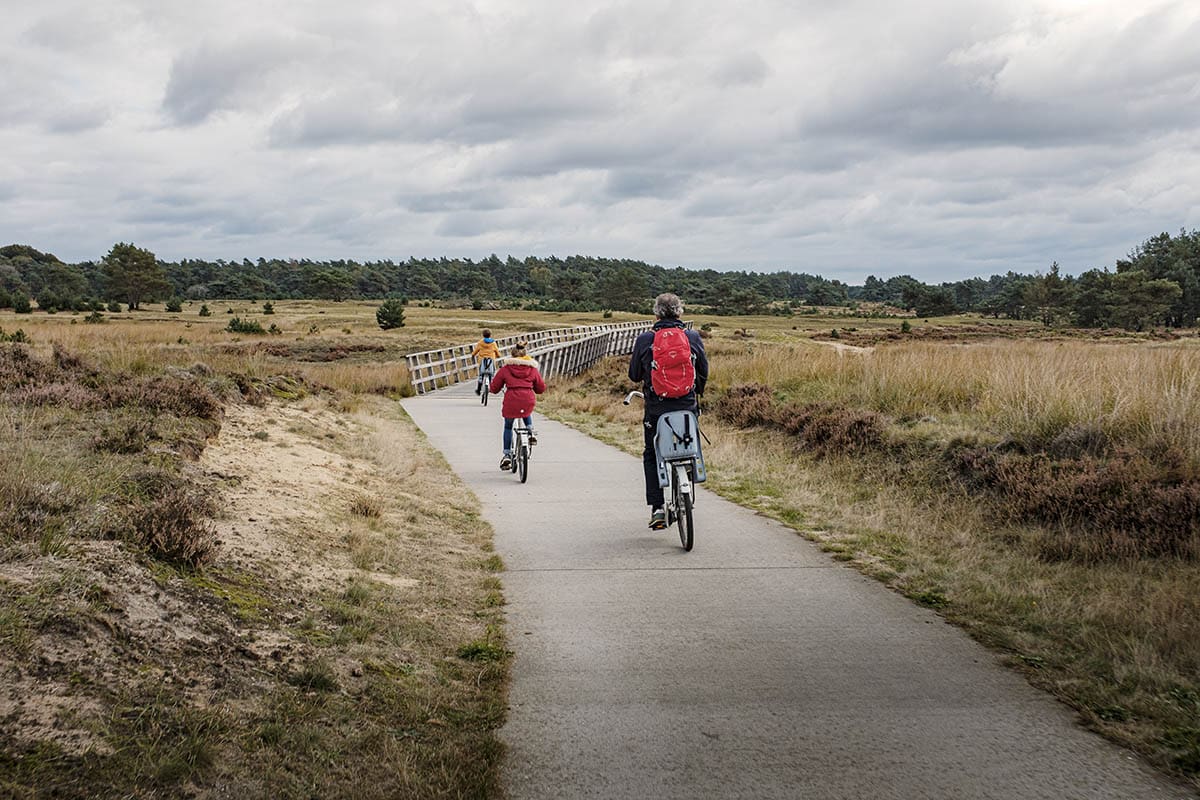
668,306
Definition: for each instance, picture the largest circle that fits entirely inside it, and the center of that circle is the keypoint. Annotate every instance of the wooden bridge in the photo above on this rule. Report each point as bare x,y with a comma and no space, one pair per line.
561,351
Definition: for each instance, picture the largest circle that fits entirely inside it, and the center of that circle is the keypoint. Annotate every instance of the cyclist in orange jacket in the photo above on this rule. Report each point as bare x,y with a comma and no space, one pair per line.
486,351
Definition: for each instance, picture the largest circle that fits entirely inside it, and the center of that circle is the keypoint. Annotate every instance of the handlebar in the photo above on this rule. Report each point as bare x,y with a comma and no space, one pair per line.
633,394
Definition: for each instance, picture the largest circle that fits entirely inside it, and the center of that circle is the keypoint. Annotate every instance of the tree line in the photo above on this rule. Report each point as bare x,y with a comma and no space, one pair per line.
1157,284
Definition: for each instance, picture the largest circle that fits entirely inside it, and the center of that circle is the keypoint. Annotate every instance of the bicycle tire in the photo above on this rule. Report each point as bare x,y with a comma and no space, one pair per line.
483,395
523,458
683,515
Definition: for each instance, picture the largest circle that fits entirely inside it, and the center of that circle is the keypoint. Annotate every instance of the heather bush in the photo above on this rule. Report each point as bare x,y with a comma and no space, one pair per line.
746,406
172,527
127,436
1124,505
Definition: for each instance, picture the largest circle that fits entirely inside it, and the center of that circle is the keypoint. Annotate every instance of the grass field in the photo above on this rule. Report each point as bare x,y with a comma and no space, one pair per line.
1036,487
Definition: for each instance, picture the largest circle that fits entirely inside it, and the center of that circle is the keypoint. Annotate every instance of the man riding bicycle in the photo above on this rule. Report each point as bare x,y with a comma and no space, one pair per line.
668,308
486,351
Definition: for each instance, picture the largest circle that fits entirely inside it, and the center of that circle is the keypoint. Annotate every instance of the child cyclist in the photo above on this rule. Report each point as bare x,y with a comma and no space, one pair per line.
486,352
522,383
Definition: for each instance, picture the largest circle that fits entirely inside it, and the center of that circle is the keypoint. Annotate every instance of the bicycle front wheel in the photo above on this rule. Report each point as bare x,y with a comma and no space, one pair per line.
683,511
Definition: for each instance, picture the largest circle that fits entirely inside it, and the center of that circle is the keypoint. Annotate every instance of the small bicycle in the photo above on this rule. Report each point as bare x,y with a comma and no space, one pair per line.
522,446
680,466
487,371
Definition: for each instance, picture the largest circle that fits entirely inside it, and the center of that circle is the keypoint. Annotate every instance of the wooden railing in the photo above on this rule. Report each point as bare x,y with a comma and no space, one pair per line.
561,351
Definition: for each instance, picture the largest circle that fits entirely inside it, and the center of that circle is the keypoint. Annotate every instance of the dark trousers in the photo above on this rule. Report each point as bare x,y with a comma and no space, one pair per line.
654,492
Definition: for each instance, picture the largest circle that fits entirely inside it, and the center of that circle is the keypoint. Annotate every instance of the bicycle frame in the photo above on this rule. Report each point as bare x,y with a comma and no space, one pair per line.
521,449
487,371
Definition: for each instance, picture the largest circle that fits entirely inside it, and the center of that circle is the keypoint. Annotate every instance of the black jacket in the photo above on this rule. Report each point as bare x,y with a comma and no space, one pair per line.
639,368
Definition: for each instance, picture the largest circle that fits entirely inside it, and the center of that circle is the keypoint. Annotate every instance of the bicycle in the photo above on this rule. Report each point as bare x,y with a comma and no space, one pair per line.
680,467
521,449
487,371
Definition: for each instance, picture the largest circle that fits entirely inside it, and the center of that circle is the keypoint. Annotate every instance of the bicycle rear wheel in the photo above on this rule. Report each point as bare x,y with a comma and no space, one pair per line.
523,459
483,394
683,510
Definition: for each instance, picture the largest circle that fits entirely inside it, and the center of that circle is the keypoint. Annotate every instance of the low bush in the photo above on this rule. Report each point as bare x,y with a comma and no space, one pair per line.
1093,501
173,528
1124,505
239,325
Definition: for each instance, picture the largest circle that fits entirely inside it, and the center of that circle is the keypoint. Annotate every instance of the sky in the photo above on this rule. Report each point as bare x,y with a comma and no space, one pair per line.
941,139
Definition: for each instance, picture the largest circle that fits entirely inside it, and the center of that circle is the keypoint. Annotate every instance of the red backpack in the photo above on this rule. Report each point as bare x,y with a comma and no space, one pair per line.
672,373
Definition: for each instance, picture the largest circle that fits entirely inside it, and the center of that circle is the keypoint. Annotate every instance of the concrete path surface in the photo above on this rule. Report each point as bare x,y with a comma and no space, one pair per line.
753,667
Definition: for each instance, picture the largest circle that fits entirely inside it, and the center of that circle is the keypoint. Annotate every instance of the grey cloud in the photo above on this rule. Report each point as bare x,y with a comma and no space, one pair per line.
212,78
597,149
487,113
481,199
625,183
743,69
465,225
76,119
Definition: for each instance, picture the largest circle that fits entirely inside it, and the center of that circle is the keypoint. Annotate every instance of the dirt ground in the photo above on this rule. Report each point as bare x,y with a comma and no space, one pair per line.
98,632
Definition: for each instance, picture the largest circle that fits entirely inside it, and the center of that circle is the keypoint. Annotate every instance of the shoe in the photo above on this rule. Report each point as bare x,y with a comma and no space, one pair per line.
506,463
477,388
532,438
658,519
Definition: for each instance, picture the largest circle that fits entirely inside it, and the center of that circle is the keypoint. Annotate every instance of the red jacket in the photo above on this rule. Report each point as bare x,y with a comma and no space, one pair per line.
524,383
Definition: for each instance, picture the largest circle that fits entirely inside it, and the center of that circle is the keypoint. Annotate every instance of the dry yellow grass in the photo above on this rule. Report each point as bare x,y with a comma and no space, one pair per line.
1145,395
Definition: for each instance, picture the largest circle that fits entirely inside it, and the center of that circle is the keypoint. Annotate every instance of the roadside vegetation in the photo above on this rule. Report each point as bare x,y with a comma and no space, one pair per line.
232,570
1042,491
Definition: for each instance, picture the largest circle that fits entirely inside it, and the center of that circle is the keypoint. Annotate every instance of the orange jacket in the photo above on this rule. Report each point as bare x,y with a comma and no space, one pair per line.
486,350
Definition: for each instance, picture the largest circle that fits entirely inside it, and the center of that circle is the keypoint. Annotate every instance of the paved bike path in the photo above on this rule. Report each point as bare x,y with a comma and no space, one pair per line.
752,667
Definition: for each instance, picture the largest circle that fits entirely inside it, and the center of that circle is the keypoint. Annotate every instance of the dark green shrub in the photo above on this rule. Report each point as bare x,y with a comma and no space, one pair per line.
114,307
94,318
204,312
16,336
21,304
390,315
268,307
239,325
174,305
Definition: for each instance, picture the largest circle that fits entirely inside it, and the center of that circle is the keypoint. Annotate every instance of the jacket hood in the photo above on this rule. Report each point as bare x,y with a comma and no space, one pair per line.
521,365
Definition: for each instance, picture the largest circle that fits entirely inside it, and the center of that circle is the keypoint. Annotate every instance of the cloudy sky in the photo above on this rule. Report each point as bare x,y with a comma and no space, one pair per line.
943,139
